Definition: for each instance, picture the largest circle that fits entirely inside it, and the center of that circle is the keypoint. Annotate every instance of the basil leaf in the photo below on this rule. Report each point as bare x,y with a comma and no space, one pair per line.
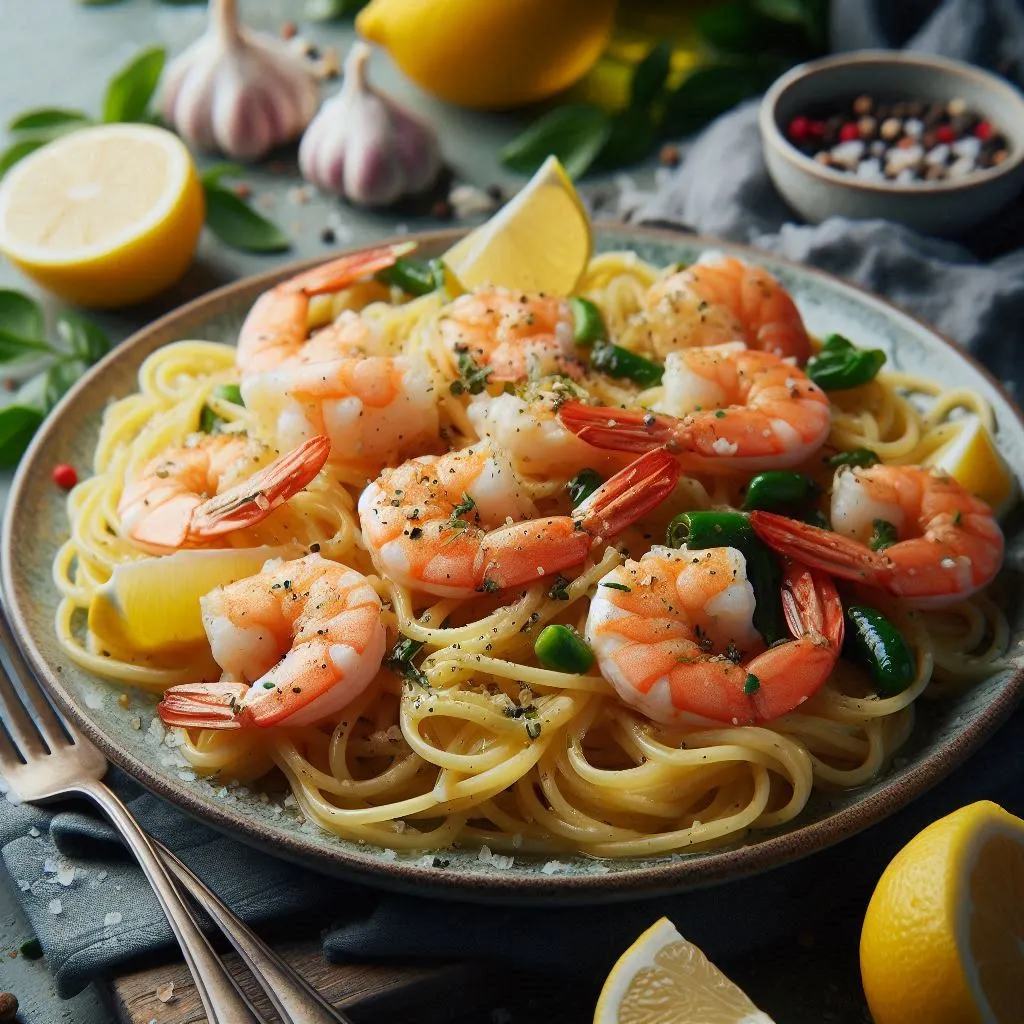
630,140
239,226
212,175
18,151
17,425
574,134
706,93
84,338
59,378
650,76
20,315
14,349
131,89
48,117
327,10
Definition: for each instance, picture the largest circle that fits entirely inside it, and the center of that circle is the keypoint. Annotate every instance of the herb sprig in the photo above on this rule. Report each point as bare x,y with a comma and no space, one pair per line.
127,99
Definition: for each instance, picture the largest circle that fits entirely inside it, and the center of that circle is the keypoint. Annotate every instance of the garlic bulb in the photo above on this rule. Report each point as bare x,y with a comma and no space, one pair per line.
236,91
364,147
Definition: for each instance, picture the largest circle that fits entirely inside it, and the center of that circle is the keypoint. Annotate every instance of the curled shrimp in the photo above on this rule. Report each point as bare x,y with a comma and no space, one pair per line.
514,335
301,639
374,409
945,544
176,502
673,633
460,523
720,299
736,409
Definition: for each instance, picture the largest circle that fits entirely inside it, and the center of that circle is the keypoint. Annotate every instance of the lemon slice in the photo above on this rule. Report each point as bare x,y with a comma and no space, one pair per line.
106,216
943,936
152,605
663,979
973,459
539,241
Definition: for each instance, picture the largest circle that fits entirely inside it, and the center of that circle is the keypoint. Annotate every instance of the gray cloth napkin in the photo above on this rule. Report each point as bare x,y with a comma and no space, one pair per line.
90,906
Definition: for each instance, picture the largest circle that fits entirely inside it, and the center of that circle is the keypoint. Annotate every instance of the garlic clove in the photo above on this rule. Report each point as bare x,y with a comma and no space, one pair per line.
364,147
237,91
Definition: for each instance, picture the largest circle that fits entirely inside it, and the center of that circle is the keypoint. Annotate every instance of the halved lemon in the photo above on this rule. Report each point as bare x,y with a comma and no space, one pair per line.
943,937
540,241
152,605
973,459
104,217
663,979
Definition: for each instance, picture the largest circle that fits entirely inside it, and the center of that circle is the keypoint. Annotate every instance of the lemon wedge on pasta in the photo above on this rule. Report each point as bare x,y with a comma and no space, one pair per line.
152,604
663,979
975,462
539,241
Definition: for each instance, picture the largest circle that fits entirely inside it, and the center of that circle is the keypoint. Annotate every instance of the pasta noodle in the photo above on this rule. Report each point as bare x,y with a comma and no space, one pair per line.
420,766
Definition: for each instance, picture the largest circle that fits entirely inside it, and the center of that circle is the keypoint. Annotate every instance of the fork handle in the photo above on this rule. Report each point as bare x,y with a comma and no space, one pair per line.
295,1000
223,1001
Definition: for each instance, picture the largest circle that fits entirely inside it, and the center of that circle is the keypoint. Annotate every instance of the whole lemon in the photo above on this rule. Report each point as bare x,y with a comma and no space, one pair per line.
490,54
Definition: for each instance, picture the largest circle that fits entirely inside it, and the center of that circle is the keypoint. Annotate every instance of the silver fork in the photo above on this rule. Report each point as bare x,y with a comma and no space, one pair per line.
50,759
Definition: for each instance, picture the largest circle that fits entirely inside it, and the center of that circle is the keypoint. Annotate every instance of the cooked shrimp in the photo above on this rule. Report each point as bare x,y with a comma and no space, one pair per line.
720,299
459,523
673,633
300,639
733,409
277,325
516,336
375,409
176,502
947,546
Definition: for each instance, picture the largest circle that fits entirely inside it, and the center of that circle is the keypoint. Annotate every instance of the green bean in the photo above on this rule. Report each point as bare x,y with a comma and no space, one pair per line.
588,323
229,393
778,489
414,277
874,642
857,457
620,363
561,648
583,485
840,364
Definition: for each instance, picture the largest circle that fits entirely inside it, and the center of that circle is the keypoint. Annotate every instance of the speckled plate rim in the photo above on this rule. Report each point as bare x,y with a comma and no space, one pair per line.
672,875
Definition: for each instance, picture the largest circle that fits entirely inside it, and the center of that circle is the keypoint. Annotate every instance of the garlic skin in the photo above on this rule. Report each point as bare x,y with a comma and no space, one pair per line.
365,148
236,91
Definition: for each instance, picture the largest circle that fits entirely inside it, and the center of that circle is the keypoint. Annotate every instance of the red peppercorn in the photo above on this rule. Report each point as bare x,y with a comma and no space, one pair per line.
798,129
945,133
65,476
849,132
983,130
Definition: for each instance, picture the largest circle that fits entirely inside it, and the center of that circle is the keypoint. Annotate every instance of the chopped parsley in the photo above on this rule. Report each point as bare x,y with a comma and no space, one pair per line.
617,586
752,684
883,536
559,589
399,660
472,378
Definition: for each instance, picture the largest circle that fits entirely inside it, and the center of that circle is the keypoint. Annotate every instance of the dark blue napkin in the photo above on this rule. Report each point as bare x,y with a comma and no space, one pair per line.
90,906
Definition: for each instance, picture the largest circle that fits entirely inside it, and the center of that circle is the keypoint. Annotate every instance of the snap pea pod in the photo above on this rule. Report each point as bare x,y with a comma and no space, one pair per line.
588,323
414,277
857,457
583,485
622,364
561,648
778,490
874,642
699,530
840,364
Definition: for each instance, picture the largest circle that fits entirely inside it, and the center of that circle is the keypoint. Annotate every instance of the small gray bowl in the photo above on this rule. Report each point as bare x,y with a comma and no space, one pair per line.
947,208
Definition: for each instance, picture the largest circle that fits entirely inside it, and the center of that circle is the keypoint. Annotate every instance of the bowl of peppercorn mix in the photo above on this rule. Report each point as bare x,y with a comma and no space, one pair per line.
932,143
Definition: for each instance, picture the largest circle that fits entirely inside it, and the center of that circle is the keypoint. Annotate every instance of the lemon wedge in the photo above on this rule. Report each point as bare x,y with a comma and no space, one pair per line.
974,461
540,241
663,979
943,936
152,605
104,217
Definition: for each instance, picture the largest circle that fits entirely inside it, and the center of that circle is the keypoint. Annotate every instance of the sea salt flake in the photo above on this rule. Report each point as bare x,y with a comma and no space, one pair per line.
156,731
23,885
34,832
55,907
388,854
50,866
551,868
111,919
187,776
165,993
93,700
66,875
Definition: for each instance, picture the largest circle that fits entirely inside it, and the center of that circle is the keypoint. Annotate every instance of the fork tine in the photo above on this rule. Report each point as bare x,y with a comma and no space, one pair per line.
9,760
17,722
46,718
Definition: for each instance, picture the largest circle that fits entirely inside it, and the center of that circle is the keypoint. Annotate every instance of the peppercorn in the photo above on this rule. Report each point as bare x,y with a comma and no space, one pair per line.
65,476
983,130
8,1006
669,156
327,236
798,129
848,133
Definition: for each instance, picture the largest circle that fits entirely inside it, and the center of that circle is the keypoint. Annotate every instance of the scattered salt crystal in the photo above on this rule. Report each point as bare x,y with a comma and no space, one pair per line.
426,861
913,127
898,159
34,832
501,862
165,993
156,731
93,700
484,855
969,145
276,809
23,885
50,866
136,722
187,776
960,167
848,154
102,875
55,907
66,875
289,800
598,867
388,854
937,155
111,919
870,169
551,867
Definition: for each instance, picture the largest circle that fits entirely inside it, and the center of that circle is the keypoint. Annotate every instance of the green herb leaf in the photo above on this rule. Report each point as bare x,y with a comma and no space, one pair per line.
618,586
58,379
559,589
706,93
17,425
212,175
883,536
14,349
631,137
130,90
574,134
84,338
328,10
240,226
650,77
20,315
48,117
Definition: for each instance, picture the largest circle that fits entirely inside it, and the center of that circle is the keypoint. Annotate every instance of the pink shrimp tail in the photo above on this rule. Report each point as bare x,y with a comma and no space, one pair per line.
620,430
202,705
345,269
630,494
241,506
822,549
